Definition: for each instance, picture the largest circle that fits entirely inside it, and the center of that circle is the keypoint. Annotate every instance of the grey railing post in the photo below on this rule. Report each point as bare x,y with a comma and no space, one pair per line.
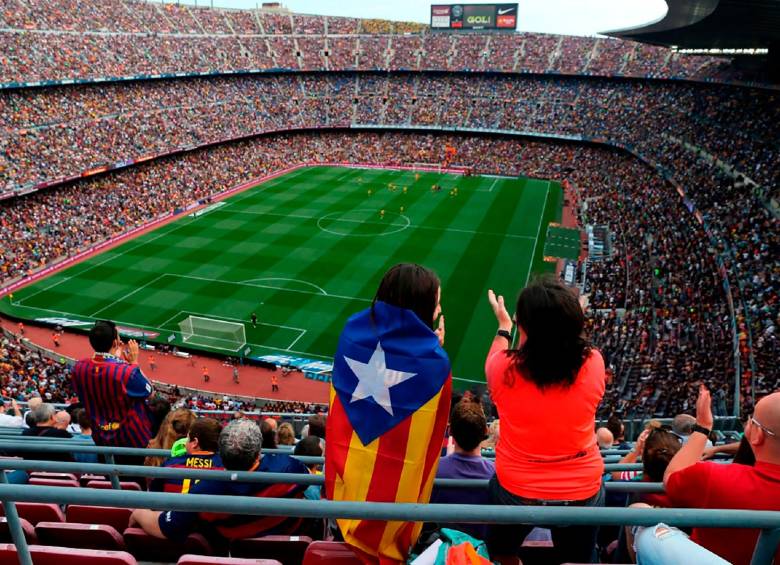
114,478
17,533
766,547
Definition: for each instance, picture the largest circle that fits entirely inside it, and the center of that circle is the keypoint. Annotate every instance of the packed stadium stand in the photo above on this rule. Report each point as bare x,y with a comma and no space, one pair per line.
114,114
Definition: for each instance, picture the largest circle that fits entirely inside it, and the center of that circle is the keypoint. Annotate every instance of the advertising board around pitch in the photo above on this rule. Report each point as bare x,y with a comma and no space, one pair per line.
474,17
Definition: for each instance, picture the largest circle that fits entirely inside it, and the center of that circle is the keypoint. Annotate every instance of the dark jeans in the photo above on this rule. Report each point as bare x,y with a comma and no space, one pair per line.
575,544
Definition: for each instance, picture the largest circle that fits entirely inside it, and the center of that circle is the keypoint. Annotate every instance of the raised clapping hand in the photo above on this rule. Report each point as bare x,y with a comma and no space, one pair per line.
704,408
130,353
639,447
503,317
439,331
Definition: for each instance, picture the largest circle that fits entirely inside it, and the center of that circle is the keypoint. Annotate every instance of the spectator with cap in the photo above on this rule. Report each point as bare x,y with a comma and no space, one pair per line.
240,445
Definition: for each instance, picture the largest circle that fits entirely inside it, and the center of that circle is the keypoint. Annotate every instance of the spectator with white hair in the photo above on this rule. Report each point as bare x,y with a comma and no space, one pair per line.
45,426
240,444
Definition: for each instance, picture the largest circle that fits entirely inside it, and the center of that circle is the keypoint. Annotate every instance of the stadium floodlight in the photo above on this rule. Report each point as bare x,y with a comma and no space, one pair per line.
213,333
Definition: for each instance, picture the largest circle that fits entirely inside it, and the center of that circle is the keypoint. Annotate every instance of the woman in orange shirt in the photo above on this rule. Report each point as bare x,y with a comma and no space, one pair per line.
547,390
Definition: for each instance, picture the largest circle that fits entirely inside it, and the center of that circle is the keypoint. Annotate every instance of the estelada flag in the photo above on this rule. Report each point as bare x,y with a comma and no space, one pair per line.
389,402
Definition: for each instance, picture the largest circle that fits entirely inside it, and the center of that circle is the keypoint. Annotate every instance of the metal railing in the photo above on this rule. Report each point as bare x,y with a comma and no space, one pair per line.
767,522
114,470
52,445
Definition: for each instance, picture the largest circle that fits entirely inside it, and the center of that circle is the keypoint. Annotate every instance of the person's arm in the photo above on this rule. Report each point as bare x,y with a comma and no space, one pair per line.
499,343
137,385
691,452
15,408
727,448
632,456
148,521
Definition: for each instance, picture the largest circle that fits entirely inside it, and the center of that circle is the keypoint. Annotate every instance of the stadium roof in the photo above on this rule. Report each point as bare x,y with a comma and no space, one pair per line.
721,24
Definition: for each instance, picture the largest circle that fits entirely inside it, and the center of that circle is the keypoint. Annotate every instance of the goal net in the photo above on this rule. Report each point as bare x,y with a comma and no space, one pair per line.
208,332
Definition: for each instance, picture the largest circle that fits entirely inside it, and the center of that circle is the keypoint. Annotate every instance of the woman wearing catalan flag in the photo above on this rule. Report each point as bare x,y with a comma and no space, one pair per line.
389,403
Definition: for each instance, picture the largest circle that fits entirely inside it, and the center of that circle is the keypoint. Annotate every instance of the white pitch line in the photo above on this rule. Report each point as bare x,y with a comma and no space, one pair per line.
322,290
110,257
159,330
272,287
289,347
492,186
126,296
239,320
371,222
538,232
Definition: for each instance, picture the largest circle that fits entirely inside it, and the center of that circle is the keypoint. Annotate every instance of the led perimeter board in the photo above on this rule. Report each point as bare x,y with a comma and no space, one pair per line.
474,17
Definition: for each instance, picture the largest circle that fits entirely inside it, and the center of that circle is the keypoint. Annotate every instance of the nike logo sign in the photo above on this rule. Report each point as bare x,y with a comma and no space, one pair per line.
504,11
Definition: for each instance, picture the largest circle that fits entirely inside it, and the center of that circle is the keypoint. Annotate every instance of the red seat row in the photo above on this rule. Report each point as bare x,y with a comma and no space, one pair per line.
45,555
98,528
318,553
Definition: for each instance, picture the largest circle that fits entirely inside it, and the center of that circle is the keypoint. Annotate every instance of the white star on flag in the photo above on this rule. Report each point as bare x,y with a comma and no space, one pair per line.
375,379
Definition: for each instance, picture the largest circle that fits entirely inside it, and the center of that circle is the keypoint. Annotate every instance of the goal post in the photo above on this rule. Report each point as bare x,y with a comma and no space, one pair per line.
213,333
427,167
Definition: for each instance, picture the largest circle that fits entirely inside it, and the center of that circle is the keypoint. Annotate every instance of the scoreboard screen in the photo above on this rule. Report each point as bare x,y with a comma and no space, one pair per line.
474,16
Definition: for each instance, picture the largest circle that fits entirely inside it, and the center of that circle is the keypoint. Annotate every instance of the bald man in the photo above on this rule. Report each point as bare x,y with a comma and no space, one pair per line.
605,438
691,483
61,420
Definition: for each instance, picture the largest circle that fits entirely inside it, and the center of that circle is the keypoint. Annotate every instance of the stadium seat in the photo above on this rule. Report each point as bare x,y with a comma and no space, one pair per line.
118,518
124,485
56,476
27,528
331,553
35,512
289,550
147,548
209,560
84,479
41,482
47,555
83,536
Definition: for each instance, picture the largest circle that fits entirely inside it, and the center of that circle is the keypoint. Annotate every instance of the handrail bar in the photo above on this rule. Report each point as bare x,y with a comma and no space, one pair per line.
245,476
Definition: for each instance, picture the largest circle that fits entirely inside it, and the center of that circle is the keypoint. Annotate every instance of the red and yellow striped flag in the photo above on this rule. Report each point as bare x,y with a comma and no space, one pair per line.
389,403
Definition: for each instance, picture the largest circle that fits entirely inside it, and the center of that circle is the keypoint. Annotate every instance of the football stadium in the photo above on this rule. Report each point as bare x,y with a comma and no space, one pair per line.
328,284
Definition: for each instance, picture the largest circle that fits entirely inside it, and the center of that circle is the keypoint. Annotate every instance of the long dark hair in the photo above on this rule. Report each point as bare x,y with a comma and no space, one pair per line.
660,446
555,348
410,286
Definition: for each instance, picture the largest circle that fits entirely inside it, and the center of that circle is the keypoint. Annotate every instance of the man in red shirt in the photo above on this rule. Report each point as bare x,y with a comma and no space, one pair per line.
691,483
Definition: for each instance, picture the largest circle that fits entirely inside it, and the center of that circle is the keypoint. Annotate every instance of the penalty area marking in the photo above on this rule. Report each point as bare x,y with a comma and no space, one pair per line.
264,279
400,227
186,313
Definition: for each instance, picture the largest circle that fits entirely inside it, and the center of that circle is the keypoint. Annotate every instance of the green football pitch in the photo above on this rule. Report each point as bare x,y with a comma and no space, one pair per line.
305,251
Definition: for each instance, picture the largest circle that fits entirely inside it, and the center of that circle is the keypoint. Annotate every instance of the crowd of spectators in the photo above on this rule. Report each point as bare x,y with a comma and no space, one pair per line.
658,308
26,373
722,179
62,39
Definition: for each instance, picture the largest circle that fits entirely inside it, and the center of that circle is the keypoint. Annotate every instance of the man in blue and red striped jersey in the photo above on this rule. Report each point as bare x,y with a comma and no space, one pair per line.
113,390
202,445
239,447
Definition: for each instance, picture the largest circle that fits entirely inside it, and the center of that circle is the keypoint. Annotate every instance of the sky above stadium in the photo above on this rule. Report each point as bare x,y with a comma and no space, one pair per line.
569,17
